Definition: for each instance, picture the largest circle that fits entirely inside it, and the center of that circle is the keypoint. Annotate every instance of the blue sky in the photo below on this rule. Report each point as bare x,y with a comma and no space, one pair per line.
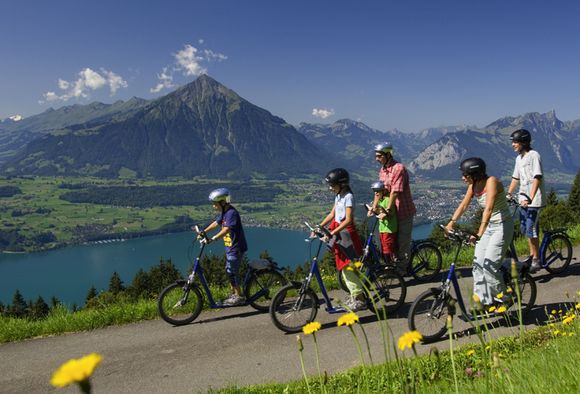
390,64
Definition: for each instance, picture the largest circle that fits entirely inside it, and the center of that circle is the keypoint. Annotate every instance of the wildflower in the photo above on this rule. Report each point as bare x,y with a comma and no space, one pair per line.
509,290
560,312
568,320
470,353
409,339
476,299
348,319
491,308
578,305
499,296
557,332
571,334
501,309
358,264
578,293
553,312
311,327
76,371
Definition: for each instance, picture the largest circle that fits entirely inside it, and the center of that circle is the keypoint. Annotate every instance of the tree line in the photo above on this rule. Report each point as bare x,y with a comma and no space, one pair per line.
166,195
145,285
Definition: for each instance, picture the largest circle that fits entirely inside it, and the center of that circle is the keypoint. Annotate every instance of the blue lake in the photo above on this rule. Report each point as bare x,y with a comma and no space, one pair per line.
69,273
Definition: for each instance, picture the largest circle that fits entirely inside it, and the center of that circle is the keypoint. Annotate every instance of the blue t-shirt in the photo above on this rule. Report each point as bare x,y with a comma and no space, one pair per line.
235,239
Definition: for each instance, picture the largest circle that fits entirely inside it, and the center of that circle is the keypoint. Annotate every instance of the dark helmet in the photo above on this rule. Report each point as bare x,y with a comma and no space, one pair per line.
378,186
384,148
221,194
522,136
474,166
337,176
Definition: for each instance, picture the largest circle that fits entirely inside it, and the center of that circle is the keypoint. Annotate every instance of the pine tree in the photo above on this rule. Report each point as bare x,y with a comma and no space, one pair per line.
54,302
39,309
19,307
552,198
116,284
92,294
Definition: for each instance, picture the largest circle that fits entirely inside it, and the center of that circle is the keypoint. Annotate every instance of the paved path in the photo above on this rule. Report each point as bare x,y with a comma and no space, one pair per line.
236,346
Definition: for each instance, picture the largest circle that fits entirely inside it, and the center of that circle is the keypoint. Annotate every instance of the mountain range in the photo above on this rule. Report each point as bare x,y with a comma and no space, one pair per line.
206,129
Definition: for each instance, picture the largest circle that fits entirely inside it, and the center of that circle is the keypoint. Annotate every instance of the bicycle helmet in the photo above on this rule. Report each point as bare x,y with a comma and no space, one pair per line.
474,167
337,176
221,194
384,148
522,136
378,186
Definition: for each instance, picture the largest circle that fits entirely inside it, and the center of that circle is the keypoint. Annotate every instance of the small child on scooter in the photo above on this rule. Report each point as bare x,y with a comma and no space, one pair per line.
387,222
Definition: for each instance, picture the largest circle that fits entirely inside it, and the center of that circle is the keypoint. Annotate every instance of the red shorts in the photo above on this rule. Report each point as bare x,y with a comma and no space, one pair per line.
339,257
388,242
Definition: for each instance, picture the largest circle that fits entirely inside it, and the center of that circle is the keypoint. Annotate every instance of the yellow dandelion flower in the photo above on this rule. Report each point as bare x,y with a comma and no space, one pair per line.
476,299
358,264
571,334
76,370
491,308
509,290
470,353
578,293
349,268
560,311
311,327
553,312
501,309
578,305
568,320
348,319
409,339
556,332
499,296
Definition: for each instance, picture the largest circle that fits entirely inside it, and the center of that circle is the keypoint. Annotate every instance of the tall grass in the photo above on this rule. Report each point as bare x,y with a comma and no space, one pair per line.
548,364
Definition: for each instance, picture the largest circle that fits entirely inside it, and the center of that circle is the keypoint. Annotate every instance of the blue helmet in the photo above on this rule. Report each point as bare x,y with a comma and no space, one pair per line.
221,194
384,148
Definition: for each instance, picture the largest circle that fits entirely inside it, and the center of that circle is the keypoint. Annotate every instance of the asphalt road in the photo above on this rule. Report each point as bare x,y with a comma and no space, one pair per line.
235,346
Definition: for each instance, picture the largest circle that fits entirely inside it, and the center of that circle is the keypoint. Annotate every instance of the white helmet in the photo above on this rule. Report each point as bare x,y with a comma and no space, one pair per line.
384,148
221,194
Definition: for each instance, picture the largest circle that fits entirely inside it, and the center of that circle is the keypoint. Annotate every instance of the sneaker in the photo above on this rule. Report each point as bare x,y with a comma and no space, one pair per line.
234,300
535,266
356,305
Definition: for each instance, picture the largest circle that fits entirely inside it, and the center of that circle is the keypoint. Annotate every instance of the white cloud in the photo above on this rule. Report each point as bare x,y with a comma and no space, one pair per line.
189,62
86,81
211,55
322,113
165,81
62,84
114,81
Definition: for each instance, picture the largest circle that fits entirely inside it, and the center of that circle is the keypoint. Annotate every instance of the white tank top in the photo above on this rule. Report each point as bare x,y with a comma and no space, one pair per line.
500,211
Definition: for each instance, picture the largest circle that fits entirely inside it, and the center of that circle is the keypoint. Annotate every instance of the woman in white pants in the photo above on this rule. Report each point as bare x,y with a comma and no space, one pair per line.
495,231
